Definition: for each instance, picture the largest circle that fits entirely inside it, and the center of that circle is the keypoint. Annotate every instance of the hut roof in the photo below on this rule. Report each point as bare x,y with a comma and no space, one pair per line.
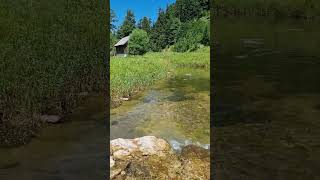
122,41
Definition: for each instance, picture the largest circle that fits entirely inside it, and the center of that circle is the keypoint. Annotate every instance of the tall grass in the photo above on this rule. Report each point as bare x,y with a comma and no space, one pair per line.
134,73
51,51
197,59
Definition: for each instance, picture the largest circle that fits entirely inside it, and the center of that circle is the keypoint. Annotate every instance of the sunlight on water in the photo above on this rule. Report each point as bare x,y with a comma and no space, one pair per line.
176,109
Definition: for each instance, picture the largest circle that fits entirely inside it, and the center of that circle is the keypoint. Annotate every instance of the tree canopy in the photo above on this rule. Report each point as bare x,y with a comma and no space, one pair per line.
129,24
176,26
145,24
113,20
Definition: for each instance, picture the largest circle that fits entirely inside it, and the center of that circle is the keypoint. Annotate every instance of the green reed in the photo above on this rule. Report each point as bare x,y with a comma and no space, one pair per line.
50,53
134,73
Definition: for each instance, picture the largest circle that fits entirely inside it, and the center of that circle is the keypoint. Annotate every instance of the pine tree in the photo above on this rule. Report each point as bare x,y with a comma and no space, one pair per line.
128,25
158,34
172,25
112,20
145,24
187,10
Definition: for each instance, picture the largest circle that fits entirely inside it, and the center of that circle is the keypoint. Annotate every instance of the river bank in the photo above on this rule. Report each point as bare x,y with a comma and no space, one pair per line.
175,108
163,131
72,149
26,126
295,9
133,74
149,157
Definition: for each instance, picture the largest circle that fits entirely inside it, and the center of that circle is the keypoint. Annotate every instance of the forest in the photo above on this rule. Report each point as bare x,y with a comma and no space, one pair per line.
182,26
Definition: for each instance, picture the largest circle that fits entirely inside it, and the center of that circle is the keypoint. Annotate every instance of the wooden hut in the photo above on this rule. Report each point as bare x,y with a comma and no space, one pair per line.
122,47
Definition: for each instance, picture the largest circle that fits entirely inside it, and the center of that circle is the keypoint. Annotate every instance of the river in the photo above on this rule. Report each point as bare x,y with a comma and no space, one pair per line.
175,109
267,99
75,149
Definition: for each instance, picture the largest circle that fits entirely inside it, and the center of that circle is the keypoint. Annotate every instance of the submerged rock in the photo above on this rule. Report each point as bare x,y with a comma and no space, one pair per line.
83,94
125,99
149,157
51,118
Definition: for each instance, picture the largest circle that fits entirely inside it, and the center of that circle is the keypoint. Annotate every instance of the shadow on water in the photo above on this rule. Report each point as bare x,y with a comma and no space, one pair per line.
179,96
224,116
71,150
266,105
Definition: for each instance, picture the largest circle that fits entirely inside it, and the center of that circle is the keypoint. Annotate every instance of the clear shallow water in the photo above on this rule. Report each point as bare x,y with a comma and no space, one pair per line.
267,101
176,109
75,149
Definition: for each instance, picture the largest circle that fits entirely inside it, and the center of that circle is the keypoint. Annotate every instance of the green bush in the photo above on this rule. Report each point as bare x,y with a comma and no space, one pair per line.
192,35
139,42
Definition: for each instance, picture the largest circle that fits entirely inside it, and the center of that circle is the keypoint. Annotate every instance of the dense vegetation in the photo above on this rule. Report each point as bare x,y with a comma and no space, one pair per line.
128,25
175,27
51,51
139,41
135,73
309,9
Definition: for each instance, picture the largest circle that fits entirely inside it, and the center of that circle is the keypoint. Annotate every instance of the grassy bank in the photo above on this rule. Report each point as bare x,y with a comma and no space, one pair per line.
307,9
197,59
51,52
134,73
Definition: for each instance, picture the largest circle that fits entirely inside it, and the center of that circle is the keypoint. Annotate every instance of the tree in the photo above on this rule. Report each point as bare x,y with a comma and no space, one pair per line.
128,25
172,26
187,10
158,34
205,5
192,35
145,24
113,20
138,43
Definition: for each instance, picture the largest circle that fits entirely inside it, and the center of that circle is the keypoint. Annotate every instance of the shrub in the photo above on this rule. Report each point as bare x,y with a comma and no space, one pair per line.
192,35
139,42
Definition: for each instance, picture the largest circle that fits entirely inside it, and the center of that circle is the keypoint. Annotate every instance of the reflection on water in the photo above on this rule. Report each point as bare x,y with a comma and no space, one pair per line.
266,118
176,109
71,150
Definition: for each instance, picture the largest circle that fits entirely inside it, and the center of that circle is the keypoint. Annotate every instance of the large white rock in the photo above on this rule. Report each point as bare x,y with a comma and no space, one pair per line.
149,157
111,162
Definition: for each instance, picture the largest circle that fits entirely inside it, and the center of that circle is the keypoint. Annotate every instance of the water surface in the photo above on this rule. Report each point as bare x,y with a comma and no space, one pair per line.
267,100
75,149
176,109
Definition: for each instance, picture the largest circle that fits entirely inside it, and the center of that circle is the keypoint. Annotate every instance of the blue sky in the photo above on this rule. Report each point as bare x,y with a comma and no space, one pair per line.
140,8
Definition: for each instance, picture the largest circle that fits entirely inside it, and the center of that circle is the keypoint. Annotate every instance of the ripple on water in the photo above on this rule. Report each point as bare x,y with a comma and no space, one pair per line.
172,109
177,145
